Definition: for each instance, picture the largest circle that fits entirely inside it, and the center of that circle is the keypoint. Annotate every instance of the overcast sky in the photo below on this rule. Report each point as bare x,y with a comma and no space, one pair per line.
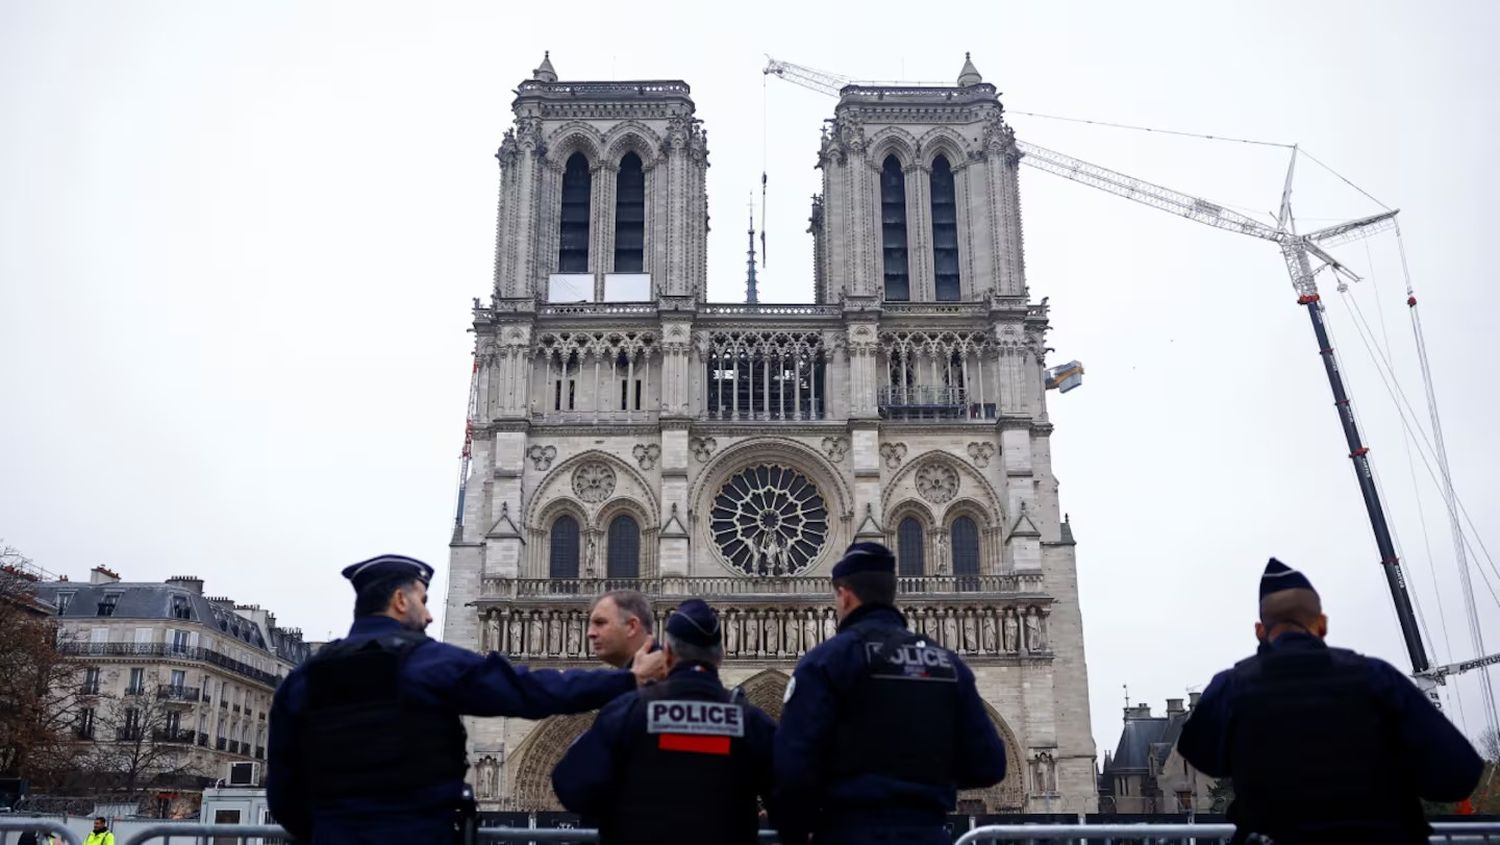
238,244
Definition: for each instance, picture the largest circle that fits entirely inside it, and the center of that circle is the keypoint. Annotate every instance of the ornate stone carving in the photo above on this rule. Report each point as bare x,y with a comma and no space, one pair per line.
981,453
541,456
937,482
703,448
1012,632
646,454
1044,774
593,482
769,520
835,448
1036,637
893,453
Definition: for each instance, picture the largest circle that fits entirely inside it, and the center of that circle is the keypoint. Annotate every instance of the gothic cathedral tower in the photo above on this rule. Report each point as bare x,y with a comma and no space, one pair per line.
628,433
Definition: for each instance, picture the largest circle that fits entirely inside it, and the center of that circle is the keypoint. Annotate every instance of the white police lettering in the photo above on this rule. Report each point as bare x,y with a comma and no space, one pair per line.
695,717
911,654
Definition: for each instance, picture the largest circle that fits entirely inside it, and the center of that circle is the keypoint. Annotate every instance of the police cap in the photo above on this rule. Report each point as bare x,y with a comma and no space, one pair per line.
865,557
376,569
694,622
1278,576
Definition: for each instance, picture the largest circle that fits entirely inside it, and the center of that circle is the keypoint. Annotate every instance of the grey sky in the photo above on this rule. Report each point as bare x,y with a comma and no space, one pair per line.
238,244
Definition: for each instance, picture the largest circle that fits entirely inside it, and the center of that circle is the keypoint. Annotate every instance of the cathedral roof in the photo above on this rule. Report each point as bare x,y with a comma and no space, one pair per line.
969,75
545,72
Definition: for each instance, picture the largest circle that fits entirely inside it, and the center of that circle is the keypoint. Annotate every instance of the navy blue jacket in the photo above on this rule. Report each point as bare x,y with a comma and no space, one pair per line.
587,775
808,798
1440,762
436,675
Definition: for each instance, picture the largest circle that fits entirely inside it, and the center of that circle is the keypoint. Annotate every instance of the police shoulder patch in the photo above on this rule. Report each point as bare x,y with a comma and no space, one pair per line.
695,717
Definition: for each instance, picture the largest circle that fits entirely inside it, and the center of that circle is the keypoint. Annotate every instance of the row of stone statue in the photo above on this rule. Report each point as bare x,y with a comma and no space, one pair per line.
777,631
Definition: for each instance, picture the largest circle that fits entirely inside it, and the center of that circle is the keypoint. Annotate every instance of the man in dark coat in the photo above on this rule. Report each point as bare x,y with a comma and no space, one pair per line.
1323,744
366,743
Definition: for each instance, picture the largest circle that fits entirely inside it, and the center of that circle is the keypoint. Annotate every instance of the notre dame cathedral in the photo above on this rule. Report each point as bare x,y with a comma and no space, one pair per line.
629,433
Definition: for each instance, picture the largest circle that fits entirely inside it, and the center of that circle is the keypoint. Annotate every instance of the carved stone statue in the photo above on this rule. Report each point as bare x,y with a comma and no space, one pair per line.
1035,641
987,634
809,630
773,632
554,633
970,632
950,631
1012,632
1044,774
830,625
536,634
575,635
515,645
752,633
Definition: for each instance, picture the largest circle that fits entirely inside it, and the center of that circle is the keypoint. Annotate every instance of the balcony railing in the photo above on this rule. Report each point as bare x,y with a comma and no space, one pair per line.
604,416
783,412
932,402
173,692
180,737
234,746
89,688
134,690
222,744
728,585
203,739
129,733
205,655
84,731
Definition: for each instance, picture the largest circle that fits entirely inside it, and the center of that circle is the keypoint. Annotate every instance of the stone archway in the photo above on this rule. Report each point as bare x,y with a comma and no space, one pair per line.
539,754
766,690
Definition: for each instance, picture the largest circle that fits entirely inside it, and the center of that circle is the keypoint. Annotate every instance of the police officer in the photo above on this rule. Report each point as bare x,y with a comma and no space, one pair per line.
880,726
678,761
366,743
1323,744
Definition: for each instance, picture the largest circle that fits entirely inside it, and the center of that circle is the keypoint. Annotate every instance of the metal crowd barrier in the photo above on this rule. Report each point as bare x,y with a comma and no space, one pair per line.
1110,834
21,824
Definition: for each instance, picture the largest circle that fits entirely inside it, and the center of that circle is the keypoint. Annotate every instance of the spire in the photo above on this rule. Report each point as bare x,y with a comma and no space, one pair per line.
969,75
544,72
752,296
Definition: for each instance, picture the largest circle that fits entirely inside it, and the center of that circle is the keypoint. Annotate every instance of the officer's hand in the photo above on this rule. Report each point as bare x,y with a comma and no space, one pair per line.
648,665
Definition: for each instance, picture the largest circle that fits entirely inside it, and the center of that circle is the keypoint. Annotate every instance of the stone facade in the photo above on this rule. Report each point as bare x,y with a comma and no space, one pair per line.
161,664
732,451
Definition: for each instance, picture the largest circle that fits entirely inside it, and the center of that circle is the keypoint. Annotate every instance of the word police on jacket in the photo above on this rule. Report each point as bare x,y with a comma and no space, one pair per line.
695,717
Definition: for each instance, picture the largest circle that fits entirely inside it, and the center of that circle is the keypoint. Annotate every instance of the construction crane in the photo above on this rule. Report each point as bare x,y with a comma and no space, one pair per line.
1299,251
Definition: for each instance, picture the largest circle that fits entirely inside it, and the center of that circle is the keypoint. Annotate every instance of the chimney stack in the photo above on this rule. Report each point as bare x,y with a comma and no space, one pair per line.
1174,706
103,575
1193,699
191,583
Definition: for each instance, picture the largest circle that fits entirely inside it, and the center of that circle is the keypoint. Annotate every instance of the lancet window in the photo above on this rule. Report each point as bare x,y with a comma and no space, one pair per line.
937,375
594,375
754,375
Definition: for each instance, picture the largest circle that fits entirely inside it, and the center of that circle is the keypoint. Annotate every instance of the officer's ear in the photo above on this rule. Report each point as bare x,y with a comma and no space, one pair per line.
1320,627
1260,632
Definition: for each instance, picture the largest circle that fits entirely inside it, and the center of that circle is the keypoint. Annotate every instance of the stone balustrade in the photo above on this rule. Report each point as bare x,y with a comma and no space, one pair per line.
1022,583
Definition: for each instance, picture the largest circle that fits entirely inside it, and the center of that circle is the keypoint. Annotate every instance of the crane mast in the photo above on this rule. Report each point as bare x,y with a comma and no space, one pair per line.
1298,252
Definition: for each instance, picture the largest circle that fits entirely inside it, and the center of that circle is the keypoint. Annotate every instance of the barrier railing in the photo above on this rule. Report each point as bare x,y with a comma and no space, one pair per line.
21,824
1111,834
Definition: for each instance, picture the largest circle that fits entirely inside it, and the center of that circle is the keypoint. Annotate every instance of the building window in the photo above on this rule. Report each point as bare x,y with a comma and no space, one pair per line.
90,681
564,390
563,561
624,548
965,544
137,681
573,234
63,600
630,216
86,723
108,604
910,554
180,608
944,232
893,230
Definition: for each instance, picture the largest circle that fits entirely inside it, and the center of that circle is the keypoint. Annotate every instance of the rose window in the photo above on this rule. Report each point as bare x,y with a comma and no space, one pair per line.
769,520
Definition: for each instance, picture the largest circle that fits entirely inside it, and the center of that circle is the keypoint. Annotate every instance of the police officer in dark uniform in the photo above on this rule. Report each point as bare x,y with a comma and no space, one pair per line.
880,726
366,743
678,761
1323,744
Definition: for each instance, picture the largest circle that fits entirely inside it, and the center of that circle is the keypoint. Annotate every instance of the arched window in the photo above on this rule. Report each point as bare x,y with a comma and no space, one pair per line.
893,230
911,559
630,216
624,548
573,232
564,552
944,232
965,545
